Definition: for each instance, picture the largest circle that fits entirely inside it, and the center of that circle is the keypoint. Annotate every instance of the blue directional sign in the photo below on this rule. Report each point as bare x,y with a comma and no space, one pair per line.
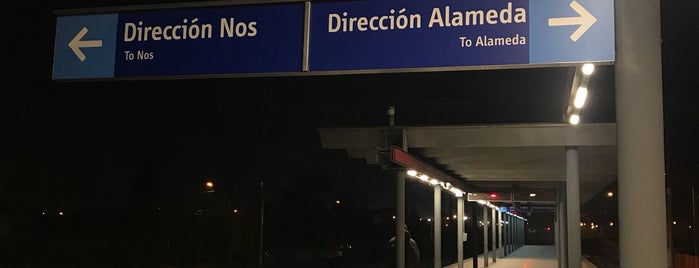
388,34
180,42
342,36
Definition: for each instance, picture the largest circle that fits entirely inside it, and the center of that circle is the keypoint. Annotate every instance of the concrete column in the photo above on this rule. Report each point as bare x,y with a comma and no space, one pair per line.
500,249
459,233
563,225
510,234
506,248
514,233
640,141
400,219
573,207
556,238
494,233
437,226
522,229
485,235
474,240
518,230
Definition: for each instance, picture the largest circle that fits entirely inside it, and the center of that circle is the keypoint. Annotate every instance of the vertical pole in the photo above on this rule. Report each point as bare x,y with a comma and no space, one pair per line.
263,129
494,236
262,224
668,220
514,234
474,240
694,221
500,234
556,236
400,219
640,141
563,224
485,235
518,232
522,229
391,113
510,223
459,233
506,248
437,226
573,207
518,228
518,225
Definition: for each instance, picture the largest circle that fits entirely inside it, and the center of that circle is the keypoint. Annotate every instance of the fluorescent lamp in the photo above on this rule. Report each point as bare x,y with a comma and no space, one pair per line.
574,119
580,97
588,68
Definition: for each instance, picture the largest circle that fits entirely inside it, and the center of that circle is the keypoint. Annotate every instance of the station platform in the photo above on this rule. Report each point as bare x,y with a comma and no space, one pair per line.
528,256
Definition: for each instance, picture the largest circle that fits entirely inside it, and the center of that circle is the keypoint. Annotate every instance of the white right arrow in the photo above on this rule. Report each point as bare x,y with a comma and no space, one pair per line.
585,20
77,43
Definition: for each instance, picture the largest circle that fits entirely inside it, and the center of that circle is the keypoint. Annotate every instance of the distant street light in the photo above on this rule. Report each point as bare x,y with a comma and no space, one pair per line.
209,185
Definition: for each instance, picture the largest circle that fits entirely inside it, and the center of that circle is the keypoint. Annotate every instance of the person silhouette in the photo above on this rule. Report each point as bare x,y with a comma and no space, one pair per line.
412,251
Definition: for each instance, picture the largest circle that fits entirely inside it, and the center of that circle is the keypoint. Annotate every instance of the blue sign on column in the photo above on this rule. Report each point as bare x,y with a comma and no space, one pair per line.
364,35
180,42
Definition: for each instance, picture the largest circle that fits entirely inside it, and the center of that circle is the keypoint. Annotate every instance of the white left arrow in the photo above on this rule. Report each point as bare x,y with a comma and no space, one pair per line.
585,20
77,43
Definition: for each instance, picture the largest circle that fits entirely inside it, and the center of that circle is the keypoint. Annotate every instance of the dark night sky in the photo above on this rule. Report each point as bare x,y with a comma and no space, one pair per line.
84,145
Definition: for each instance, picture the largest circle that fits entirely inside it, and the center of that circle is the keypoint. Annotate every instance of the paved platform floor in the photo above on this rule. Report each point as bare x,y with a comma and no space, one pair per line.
528,256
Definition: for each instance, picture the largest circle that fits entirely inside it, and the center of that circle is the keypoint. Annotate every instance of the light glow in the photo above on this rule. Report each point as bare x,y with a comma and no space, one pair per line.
574,119
588,68
580,97
412,172
457,192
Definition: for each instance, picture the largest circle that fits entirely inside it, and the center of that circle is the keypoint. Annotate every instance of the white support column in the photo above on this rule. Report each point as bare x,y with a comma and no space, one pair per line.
437,226
508,222
500,249
522,231
518,226
510,236
459,233
494,232
485,235
640,141
573,207
400,219
518,230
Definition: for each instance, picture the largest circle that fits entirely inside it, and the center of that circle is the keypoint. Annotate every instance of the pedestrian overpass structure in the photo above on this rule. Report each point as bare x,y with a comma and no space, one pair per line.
565,165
